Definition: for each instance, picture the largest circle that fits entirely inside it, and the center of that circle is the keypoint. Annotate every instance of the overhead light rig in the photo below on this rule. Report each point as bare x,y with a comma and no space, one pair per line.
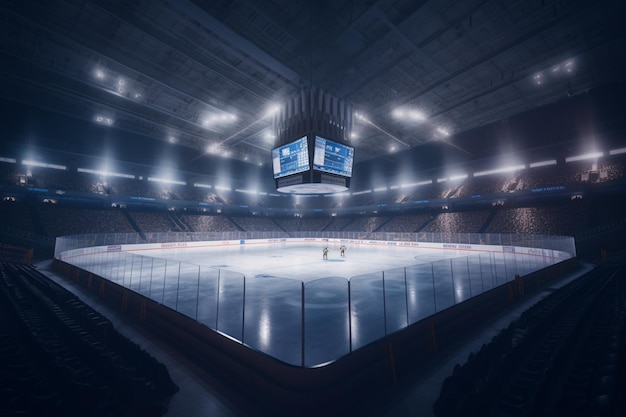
313,130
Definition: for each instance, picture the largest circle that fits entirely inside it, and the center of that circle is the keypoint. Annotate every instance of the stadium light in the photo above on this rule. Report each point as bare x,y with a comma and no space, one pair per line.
217,119
99,74
617,151
272,110
398,113
583,157
361,116
417,115
408,114
166,181
32,163
239,190
542,163
105,173
415,184
500,170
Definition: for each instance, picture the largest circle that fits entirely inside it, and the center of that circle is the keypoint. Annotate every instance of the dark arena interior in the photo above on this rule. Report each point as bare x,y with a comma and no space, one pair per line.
487,137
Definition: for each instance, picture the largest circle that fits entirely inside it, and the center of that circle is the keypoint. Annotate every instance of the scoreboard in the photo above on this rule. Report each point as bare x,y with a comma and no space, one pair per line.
333,157
312,165
291,158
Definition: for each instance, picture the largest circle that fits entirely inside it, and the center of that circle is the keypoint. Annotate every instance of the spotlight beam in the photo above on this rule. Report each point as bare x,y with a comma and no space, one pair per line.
455,146
242,130
230,137
380,129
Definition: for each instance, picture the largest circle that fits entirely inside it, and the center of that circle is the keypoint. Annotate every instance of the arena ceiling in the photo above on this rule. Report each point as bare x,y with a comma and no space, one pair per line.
204,74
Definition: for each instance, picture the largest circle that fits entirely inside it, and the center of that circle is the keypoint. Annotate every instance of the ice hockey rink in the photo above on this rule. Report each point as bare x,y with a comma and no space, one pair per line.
286,300
303,262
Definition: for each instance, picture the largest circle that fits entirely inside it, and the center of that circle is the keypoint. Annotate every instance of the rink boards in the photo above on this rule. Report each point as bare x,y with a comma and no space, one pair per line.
280,297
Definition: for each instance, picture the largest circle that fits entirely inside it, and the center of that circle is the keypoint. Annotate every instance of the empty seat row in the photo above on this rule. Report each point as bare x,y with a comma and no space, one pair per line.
520,372
72,355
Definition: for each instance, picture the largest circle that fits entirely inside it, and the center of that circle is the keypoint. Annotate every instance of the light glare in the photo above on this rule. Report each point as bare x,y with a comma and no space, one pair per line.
582,157
414,184
166,181
105,173
104,120
272,110
617,151
499,170
542,163
32,163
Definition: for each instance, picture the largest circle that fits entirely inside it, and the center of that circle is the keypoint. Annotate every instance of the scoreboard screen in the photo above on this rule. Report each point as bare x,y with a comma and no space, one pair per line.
333,157
291,158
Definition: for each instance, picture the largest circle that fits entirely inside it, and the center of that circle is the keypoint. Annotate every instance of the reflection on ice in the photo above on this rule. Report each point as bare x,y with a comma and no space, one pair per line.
319,310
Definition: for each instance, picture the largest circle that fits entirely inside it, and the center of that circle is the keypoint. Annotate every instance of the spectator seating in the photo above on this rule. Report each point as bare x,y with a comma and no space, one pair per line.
15,253
256,224
606,169
205,223
61,357
551,220
153,221
458,222
299,224
487,184
569,218
365,224
338,224
408,223
561,357
58,220
17,215
9,174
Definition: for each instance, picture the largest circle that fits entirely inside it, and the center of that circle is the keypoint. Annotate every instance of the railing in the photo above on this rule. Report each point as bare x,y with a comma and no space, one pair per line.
561,243
308,324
